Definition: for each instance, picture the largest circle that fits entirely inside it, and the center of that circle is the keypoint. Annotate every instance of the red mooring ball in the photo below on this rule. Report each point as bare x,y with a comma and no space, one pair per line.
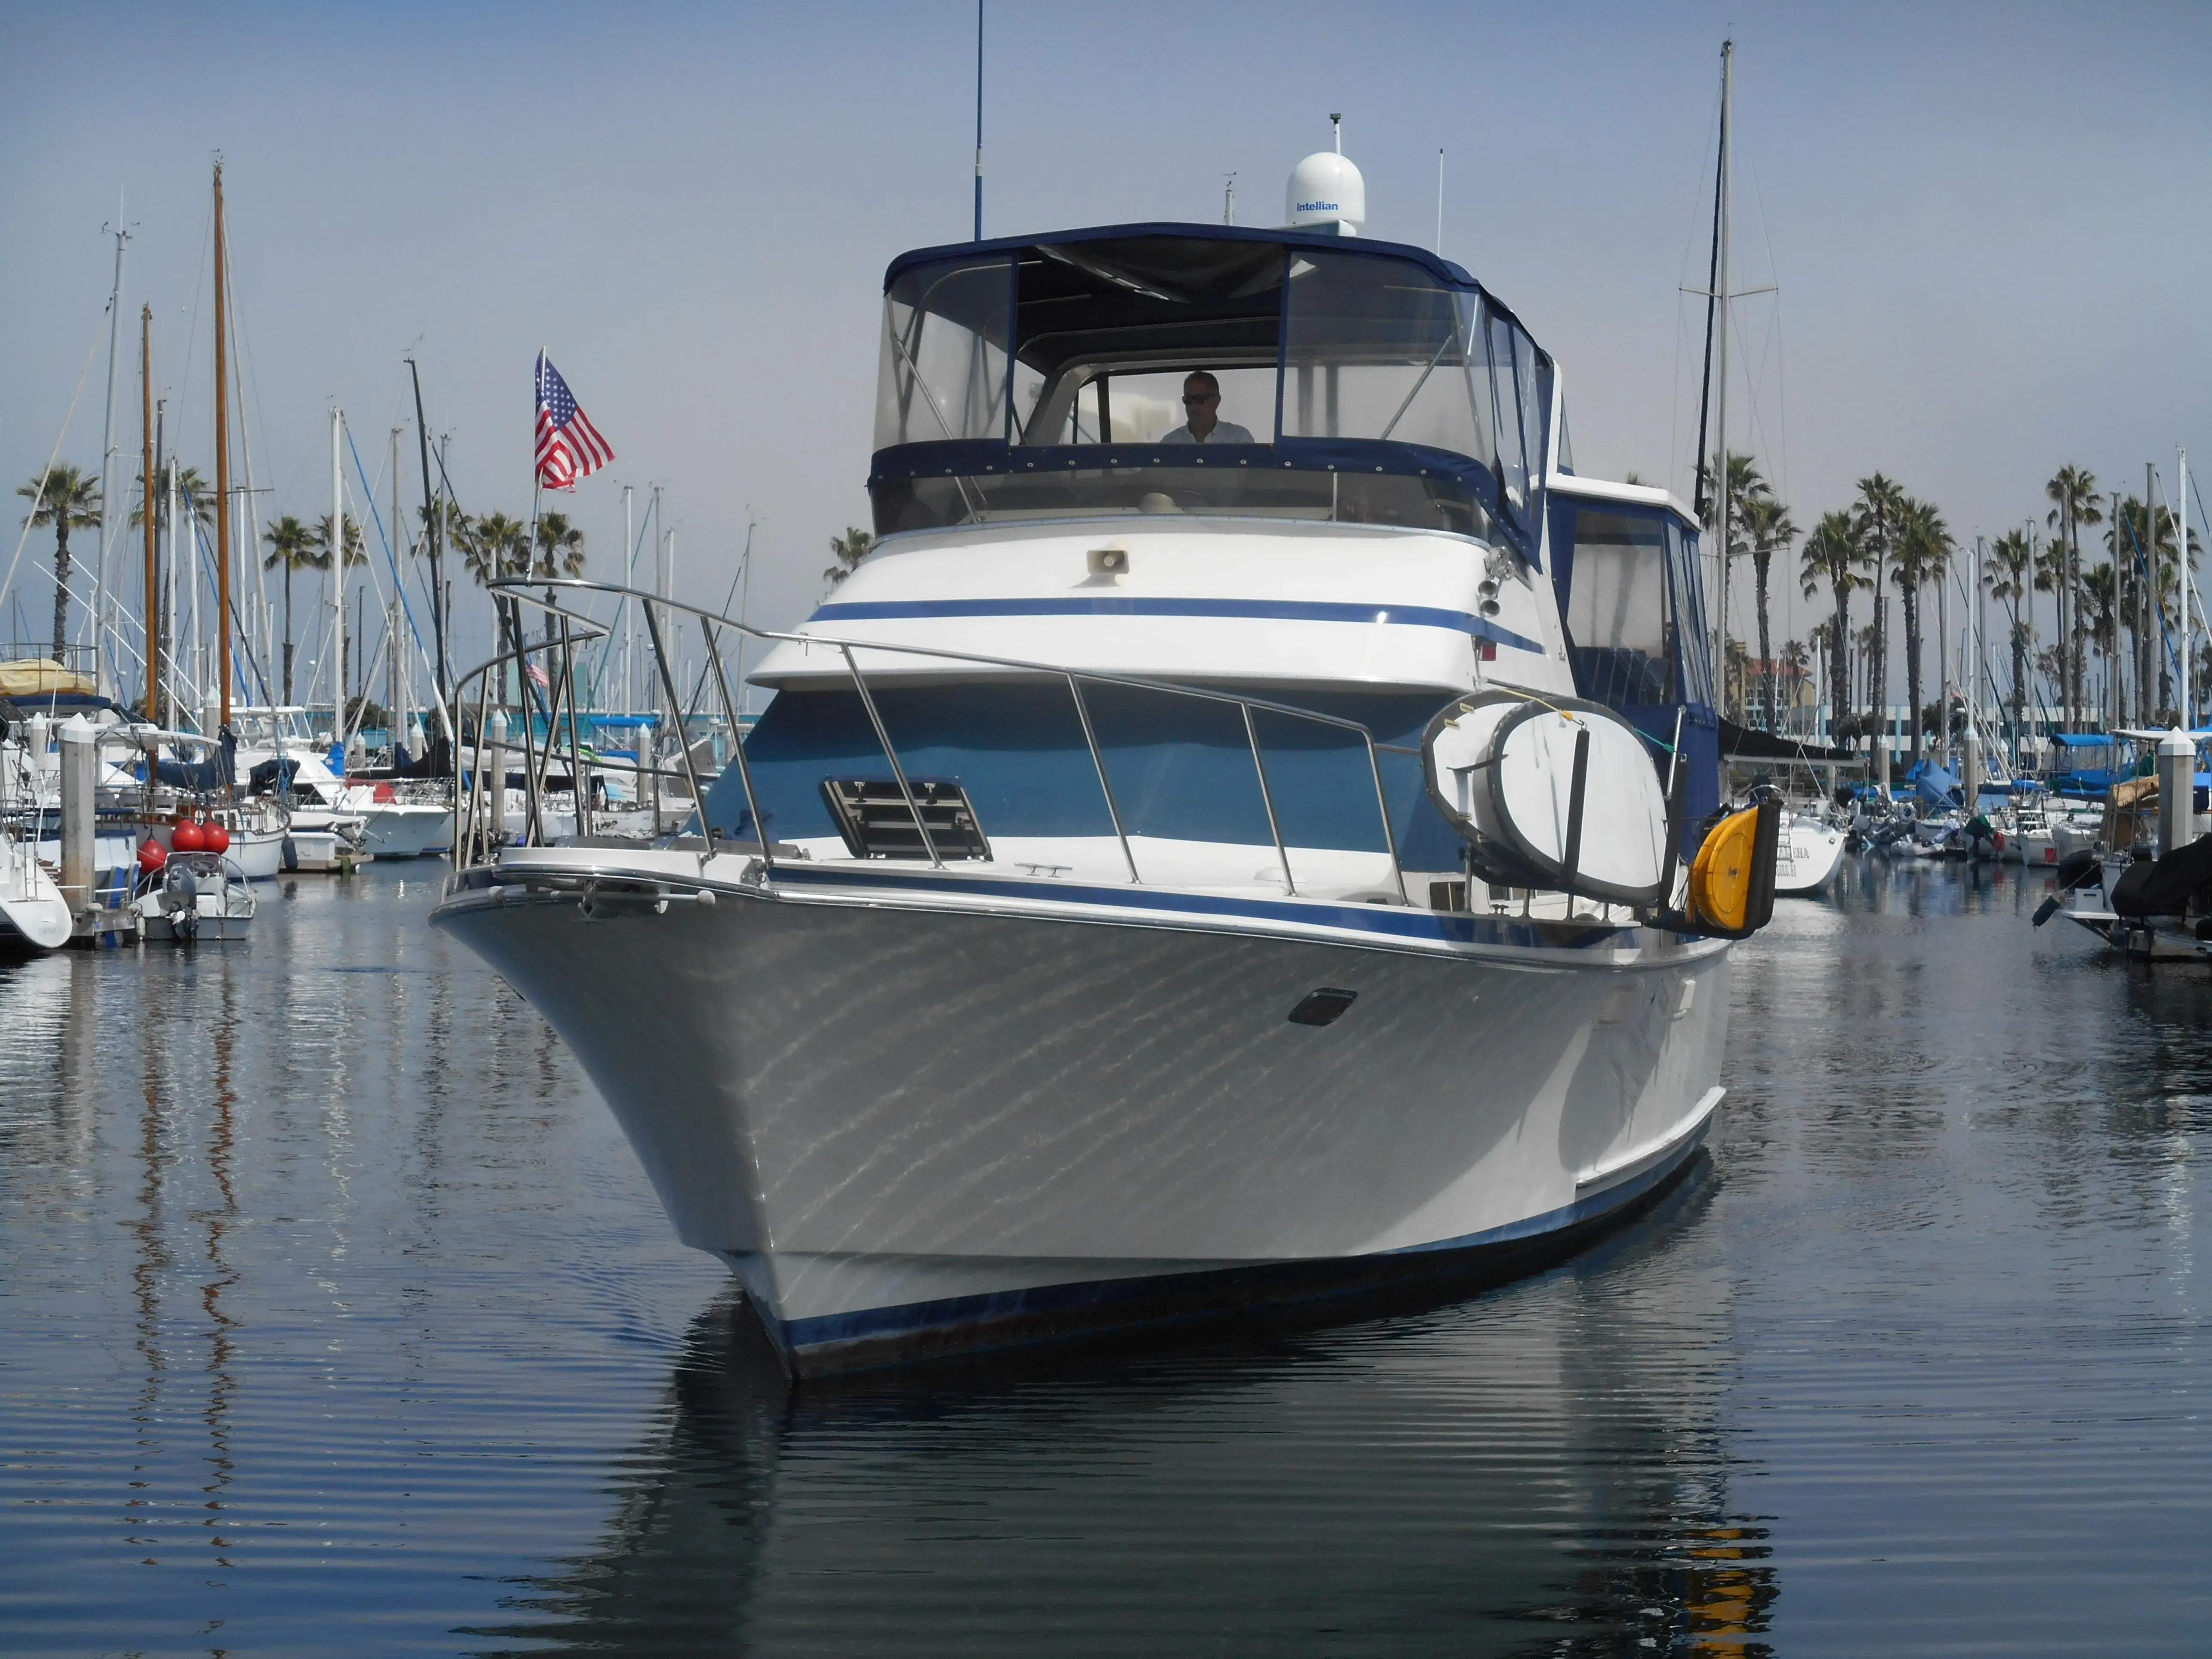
188,837
152,856
214,838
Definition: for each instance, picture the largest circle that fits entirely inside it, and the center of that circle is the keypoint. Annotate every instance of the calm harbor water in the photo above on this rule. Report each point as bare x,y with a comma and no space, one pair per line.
335,1316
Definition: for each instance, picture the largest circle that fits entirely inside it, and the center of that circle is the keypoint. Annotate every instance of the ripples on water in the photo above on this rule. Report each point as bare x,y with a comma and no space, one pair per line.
334,1315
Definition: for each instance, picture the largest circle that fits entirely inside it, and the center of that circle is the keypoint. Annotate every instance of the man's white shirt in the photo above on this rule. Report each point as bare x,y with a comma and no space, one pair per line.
1224,432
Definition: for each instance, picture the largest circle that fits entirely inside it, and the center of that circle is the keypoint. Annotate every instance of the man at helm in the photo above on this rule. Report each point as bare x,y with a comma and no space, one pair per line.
1201,402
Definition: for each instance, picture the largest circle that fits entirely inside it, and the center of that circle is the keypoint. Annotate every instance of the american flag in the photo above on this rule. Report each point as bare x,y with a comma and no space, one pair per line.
569,447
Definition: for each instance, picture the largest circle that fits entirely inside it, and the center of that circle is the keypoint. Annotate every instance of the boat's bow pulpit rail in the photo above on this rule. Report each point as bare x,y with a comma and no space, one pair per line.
1239,832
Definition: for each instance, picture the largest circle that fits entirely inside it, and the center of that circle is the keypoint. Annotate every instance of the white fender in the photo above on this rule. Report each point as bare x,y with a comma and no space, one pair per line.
1500,768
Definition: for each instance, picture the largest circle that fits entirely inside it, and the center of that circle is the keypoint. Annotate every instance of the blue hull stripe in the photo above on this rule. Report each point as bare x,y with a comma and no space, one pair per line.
1393,920
801,1336
1399,615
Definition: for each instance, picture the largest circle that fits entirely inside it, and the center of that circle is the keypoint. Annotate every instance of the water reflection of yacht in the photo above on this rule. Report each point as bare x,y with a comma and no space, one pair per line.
1435,1484
1111,957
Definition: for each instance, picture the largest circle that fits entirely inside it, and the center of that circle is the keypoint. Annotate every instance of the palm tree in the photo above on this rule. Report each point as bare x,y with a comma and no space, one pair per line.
494,547
560,547
68,500
1796,668
1880,505
559,553
197,494
2072,490
1768,526
2009,575
850,549
1745,486
355,553
2145,604
2100,622
1924,554
294,546
1830,558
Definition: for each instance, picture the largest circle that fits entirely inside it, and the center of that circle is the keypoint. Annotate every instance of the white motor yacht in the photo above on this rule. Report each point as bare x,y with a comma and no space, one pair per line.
1188,865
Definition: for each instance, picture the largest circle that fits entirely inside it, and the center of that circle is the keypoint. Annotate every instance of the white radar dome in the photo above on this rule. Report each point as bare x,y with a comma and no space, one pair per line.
1327,193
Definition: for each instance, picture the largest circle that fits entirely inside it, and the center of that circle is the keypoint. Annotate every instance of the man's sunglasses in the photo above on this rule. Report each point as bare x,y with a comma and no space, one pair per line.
1201,396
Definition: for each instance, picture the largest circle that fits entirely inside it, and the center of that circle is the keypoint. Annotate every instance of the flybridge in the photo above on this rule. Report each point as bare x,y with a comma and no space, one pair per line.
1357,381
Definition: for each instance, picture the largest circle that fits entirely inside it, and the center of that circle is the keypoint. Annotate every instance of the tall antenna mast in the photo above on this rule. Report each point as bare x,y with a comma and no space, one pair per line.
979,121
1440,203
1720,389
221,458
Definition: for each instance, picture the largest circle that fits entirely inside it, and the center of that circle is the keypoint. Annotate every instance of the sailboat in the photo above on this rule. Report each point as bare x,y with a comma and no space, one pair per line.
34,917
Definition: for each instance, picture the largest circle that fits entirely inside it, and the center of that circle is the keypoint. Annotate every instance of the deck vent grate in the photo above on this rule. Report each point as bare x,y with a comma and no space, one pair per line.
873,817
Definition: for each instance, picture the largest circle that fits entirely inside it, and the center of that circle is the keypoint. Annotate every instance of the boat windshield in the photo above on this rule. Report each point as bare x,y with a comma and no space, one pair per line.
1362,385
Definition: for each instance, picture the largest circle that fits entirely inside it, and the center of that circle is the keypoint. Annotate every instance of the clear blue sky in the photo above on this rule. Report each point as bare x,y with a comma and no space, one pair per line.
1989,224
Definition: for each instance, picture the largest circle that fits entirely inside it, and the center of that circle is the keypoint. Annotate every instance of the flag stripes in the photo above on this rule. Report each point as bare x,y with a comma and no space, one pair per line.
569,447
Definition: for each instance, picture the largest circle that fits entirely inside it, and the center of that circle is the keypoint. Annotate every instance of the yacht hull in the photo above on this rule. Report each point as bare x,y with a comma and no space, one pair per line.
915,1121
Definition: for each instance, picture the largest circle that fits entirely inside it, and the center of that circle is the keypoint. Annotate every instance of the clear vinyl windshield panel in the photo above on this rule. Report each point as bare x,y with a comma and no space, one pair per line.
1353,387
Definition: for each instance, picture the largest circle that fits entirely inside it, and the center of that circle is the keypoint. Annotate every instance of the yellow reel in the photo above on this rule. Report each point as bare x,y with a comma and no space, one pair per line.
1732,878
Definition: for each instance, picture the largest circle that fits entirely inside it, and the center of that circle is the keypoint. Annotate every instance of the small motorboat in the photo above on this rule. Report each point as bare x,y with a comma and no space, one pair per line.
188,898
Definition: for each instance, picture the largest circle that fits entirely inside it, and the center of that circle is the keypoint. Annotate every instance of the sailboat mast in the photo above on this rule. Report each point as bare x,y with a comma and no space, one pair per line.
433,522
337,569
629,609
394,658
146,497
2146,600
222,454
169,597
2181,547
103,600
1720,389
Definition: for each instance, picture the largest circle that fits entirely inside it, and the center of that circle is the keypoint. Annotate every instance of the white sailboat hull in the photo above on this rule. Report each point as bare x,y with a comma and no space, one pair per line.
916,1116
33,915
1807,857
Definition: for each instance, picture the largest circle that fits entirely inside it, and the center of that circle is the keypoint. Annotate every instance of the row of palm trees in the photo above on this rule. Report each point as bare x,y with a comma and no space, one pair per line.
1886,541
492,547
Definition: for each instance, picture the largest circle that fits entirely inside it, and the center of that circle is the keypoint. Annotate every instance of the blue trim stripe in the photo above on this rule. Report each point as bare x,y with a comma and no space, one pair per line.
1396,616
913,1318
1393,920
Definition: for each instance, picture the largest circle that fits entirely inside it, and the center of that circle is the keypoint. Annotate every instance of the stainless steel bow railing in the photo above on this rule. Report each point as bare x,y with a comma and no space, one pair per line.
482,831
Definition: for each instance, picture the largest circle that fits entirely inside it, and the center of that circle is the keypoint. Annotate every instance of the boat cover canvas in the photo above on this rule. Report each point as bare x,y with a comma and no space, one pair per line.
2165,887
42,677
